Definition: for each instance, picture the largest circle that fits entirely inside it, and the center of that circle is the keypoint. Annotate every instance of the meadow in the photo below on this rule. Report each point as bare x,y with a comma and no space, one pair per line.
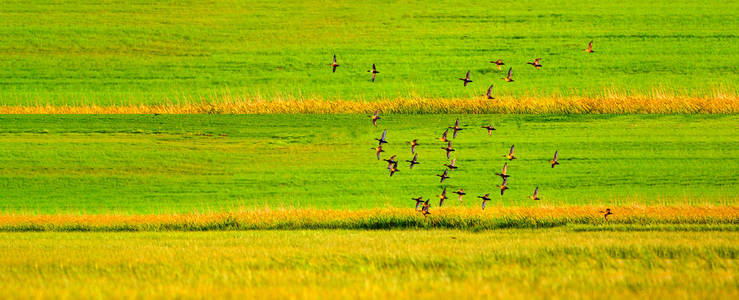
139,52
207,163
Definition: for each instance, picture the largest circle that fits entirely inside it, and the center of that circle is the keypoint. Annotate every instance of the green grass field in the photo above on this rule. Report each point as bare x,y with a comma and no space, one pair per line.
168,163
75,52
510,264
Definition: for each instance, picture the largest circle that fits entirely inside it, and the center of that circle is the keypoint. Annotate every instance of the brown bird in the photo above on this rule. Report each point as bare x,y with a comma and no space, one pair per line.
497,63
503,186
334,64
419,200
382,139
485,200
535,196
590,47
510,156
413,143
606,213
451,166
536,63
448,149
456,128
425,208
378,150
375,117
442,197
390,161
509,78
466,79
490,93
460,193
443,136
503,174
443,176
374,72
554,161
490,129
414,161
393,169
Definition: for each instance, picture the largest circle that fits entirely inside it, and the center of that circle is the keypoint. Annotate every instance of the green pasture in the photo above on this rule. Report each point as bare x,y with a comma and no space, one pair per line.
133,52
182,163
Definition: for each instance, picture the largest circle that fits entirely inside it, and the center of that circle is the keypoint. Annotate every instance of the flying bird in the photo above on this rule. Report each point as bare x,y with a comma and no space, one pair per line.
443,176
535,196
390,161
590,47
448,149
536,63
466,79
460,193
375,117
442,197
451,165
378,150
414,143
485,200
497,63
503,186
425,208
393,169
509,77
443,136
414,161
334,64
490,93
419,200
374,72
504,174
606,213
554,161
510,156
382,139
456,128
490,129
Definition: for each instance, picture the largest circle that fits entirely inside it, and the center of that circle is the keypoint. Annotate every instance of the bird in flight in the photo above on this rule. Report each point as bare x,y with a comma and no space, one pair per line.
443,176
554,161
443,136
509,77
390,161
334,64
393,169
606,213
489,93
425,208
413,143
504,174
375,117
419,200
414,161
442,197
510,156
590,47
382,139
460,193
535,196
497,63
485,200
448,149
456,128
490,129
378,150
536,63
466,79
374,72
503,186
451,165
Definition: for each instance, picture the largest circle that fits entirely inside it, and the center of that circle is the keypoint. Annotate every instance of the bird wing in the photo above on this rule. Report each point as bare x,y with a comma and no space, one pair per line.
445,175
510,72
443,193
373,67
555,155
468,76
334,58
483,203
505,180
415,157
490,90
536,191
512,148
443,135
456,124
383,134
505,168
590,45
377,112
453,162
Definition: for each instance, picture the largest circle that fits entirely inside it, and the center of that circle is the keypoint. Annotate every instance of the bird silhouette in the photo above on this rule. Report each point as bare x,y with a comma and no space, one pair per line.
590,47
443,176
503,186
536,63
510,156
460,193
413,143
419,200
466,79
490,129
425,208
443,136
375,117
393,169
452,165
504,173
509,77
378,150
382,139
606,213
497,63
334,64
490,93
442,197
414,161
448,149
485,199
374,72
554,161
456,128
390,161
535,196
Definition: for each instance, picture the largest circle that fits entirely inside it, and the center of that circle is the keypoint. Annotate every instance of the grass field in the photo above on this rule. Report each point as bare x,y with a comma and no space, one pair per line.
182,163
75,52
520,264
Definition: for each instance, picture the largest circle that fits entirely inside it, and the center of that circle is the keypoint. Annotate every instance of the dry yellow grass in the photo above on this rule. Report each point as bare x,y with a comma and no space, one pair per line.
719,102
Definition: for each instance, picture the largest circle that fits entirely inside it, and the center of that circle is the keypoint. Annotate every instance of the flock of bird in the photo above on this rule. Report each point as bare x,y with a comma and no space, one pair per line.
424,205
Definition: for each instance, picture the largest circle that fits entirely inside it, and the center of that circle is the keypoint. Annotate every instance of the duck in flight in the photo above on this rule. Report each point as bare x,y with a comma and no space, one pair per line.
460,193
456,129
466,79
606,213
414,161
554,161
510,156
374,72
497,63
393,169
419,200
490,129
425,208
485,200
375,117
414,143
334,64
536,63
382,139
503,186
504,173
378,150
490,93
535,196
442,197
509,77
443,176
452,165
443,136
590,47
448,149
390,161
